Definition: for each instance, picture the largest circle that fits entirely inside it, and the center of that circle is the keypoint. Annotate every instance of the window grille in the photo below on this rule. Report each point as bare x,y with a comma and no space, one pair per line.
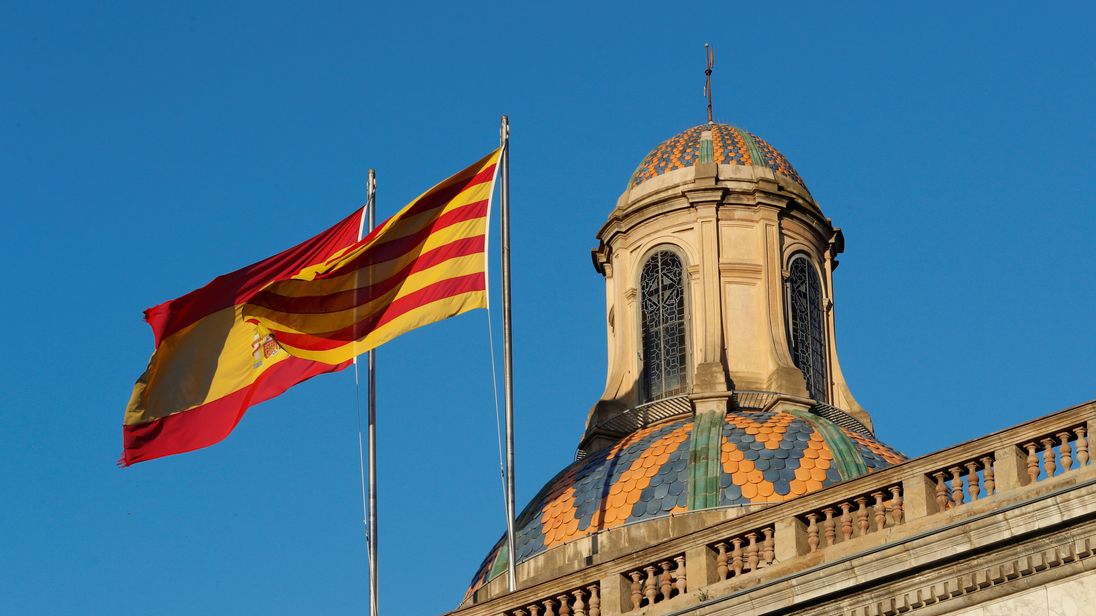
806,326
662,292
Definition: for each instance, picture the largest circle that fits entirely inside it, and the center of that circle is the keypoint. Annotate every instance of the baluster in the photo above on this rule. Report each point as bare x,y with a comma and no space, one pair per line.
861,516
1032,463
768,547
595,600
564,607
1064,452
956,485
1048,457
897,513
829,527
637,589
549,609
679,575
534,610
846,521
721,560
580,605
650,585
520,612
1082,446
988,481
974,487
812,531
666,581
941,491
736,556
751,552
880,511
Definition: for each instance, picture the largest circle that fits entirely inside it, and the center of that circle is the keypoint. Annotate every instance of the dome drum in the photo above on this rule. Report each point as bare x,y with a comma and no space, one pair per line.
737,225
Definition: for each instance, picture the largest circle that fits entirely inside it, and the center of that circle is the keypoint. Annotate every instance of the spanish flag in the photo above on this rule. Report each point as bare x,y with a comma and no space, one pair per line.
425,264
210,364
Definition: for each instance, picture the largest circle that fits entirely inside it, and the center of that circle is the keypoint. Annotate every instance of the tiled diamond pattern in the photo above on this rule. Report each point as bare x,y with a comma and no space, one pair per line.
765,458
729,146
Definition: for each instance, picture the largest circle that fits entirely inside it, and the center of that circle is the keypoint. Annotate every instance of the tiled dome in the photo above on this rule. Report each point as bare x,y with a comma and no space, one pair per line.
719,143
765,457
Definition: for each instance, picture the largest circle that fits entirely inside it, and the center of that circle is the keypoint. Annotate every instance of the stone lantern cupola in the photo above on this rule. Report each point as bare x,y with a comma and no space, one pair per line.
718,266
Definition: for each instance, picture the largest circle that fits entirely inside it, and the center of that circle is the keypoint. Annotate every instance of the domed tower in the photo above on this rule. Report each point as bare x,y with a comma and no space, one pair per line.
719,278
724,393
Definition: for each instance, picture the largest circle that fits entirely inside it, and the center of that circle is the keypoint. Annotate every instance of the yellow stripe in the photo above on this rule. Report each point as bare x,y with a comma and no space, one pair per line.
381,271
318,324
202,362
424,315
399,227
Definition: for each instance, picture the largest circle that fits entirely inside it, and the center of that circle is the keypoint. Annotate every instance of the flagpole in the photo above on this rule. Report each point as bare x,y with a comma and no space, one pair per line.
371,380
508,362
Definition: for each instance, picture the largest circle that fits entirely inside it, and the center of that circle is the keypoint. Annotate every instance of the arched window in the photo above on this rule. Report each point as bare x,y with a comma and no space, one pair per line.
662,302
806,327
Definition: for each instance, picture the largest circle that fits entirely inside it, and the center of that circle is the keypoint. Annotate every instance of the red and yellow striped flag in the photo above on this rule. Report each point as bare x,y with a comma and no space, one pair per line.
425,264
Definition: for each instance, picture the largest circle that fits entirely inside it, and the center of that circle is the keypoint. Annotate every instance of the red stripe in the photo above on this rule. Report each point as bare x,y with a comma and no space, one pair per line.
236,287
345,300
210,423
431,201
449,287
396,248
442,194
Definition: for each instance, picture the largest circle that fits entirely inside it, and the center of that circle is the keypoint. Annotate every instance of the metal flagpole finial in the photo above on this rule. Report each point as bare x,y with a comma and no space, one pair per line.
371,184
504,129
709,54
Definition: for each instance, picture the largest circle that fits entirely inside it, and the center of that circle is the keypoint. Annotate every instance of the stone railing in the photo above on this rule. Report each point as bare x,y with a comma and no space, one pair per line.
744,553
857,516
1062,451
585,601
964,482
657,582
668,564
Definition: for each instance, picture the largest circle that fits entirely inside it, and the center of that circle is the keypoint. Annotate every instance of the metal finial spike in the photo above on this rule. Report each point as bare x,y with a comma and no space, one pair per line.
709,54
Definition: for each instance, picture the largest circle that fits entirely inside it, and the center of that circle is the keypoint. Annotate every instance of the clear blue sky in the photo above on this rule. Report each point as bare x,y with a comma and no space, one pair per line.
147,149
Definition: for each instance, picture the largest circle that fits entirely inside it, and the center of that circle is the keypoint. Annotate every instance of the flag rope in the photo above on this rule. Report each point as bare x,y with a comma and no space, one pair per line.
361,455
498,417
358,412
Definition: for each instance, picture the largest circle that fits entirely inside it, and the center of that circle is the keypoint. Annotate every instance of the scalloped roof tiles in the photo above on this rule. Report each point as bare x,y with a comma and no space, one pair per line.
720,143
764,458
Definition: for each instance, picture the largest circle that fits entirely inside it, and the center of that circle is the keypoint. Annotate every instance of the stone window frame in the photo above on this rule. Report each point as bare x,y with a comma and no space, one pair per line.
820,392
643,395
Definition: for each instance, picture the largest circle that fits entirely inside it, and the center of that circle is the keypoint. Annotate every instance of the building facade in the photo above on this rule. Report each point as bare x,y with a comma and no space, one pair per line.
727,467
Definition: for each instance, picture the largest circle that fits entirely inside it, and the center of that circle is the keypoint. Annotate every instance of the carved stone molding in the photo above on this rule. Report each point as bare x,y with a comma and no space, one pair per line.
1001,575
741,269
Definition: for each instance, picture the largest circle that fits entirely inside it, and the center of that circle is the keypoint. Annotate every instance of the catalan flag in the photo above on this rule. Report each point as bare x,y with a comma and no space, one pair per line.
210,364
424,264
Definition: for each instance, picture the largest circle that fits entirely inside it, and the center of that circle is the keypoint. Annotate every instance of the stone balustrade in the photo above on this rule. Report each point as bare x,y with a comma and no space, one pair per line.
745,553
688,554
584,601
1058,452
857,516
657,582
964,482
